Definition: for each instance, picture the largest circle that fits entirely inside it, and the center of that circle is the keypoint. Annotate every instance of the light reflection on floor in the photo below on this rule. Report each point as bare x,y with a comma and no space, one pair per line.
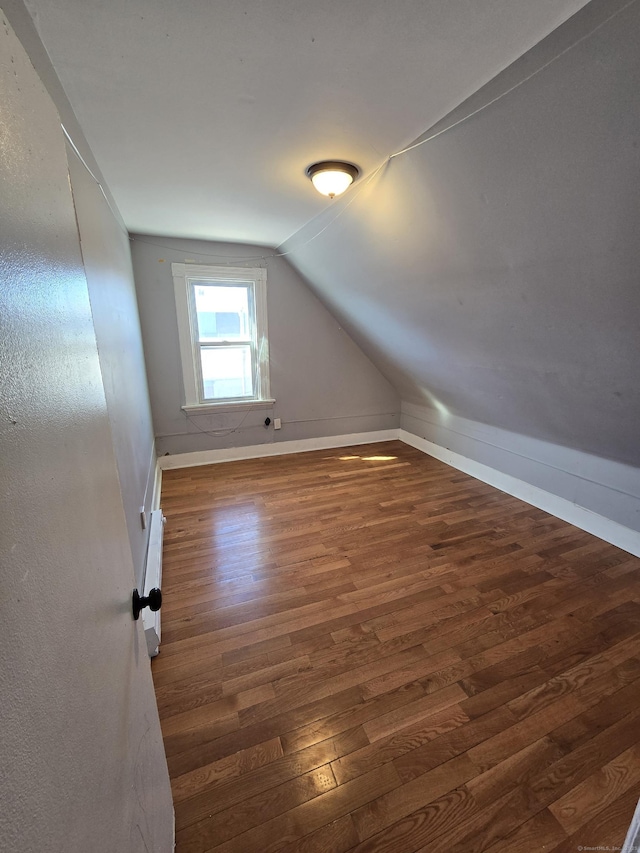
368,458
241,526
240,553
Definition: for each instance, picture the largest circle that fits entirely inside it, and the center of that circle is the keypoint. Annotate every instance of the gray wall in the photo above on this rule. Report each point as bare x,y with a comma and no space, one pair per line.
322,382
492,273
108,266
83,765
610,489
107,262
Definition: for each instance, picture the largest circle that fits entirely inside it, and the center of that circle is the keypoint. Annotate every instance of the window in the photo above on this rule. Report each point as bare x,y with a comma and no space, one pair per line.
222,325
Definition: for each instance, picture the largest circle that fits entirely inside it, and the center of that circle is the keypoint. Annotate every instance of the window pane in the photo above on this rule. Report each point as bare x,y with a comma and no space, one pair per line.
226,372
222,311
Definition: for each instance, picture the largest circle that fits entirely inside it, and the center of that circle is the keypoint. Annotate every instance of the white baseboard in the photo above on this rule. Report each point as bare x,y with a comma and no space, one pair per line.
257,451
153,578
598,525
632,841
157,487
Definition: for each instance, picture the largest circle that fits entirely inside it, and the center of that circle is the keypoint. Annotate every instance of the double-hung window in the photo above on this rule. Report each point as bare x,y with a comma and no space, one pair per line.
222,326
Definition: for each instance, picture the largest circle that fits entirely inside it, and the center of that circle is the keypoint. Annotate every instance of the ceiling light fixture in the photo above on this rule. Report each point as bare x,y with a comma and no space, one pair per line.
332,177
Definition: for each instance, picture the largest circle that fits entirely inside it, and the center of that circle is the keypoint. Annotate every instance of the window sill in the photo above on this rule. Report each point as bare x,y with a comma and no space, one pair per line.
237,405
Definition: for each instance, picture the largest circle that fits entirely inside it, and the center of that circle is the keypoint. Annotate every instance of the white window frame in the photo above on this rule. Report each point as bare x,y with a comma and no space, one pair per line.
183,276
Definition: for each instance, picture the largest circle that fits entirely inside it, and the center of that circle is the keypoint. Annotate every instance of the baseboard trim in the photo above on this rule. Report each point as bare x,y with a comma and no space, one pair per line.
598,525
604,528
281,448
157,487
153,578
632,841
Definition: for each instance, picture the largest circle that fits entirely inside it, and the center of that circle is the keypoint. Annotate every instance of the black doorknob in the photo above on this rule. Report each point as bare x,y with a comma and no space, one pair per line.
153,601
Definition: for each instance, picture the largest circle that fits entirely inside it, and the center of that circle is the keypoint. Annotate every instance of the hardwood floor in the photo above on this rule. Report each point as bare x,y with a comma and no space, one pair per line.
366,650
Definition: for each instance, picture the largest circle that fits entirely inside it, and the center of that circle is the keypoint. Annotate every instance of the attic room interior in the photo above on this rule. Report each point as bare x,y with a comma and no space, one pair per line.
377,445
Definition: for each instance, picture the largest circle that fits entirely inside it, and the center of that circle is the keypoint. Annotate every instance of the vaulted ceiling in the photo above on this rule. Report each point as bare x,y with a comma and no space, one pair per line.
204,114
492,273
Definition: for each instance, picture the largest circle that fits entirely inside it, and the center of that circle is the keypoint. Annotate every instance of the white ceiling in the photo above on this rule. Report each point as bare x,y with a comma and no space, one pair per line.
204,114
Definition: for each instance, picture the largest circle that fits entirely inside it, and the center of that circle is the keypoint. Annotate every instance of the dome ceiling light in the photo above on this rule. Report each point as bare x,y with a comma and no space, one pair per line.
332,177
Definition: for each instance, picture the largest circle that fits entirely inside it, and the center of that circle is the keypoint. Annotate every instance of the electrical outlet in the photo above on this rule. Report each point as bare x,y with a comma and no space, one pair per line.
143,518
277,423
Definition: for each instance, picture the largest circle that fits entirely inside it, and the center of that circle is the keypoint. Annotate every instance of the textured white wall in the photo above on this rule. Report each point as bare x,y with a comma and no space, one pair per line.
83,767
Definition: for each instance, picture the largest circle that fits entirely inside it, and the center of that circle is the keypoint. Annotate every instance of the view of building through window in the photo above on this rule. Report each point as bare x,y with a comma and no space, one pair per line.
224,335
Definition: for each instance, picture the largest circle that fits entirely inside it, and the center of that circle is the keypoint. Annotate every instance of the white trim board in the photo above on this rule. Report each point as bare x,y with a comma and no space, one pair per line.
151,472
153,578
157,487
598,525
281,448
632,841
591,522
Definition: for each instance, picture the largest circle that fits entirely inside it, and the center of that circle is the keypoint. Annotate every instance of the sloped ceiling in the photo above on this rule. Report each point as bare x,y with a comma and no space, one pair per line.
491,273
204,114
494,271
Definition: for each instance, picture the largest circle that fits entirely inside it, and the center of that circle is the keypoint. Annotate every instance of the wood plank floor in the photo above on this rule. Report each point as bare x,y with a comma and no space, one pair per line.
366,650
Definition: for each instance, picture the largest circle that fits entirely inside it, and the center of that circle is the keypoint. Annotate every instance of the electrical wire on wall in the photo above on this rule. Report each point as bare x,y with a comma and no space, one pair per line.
256,260
338,418
224,432
215,433
74,147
